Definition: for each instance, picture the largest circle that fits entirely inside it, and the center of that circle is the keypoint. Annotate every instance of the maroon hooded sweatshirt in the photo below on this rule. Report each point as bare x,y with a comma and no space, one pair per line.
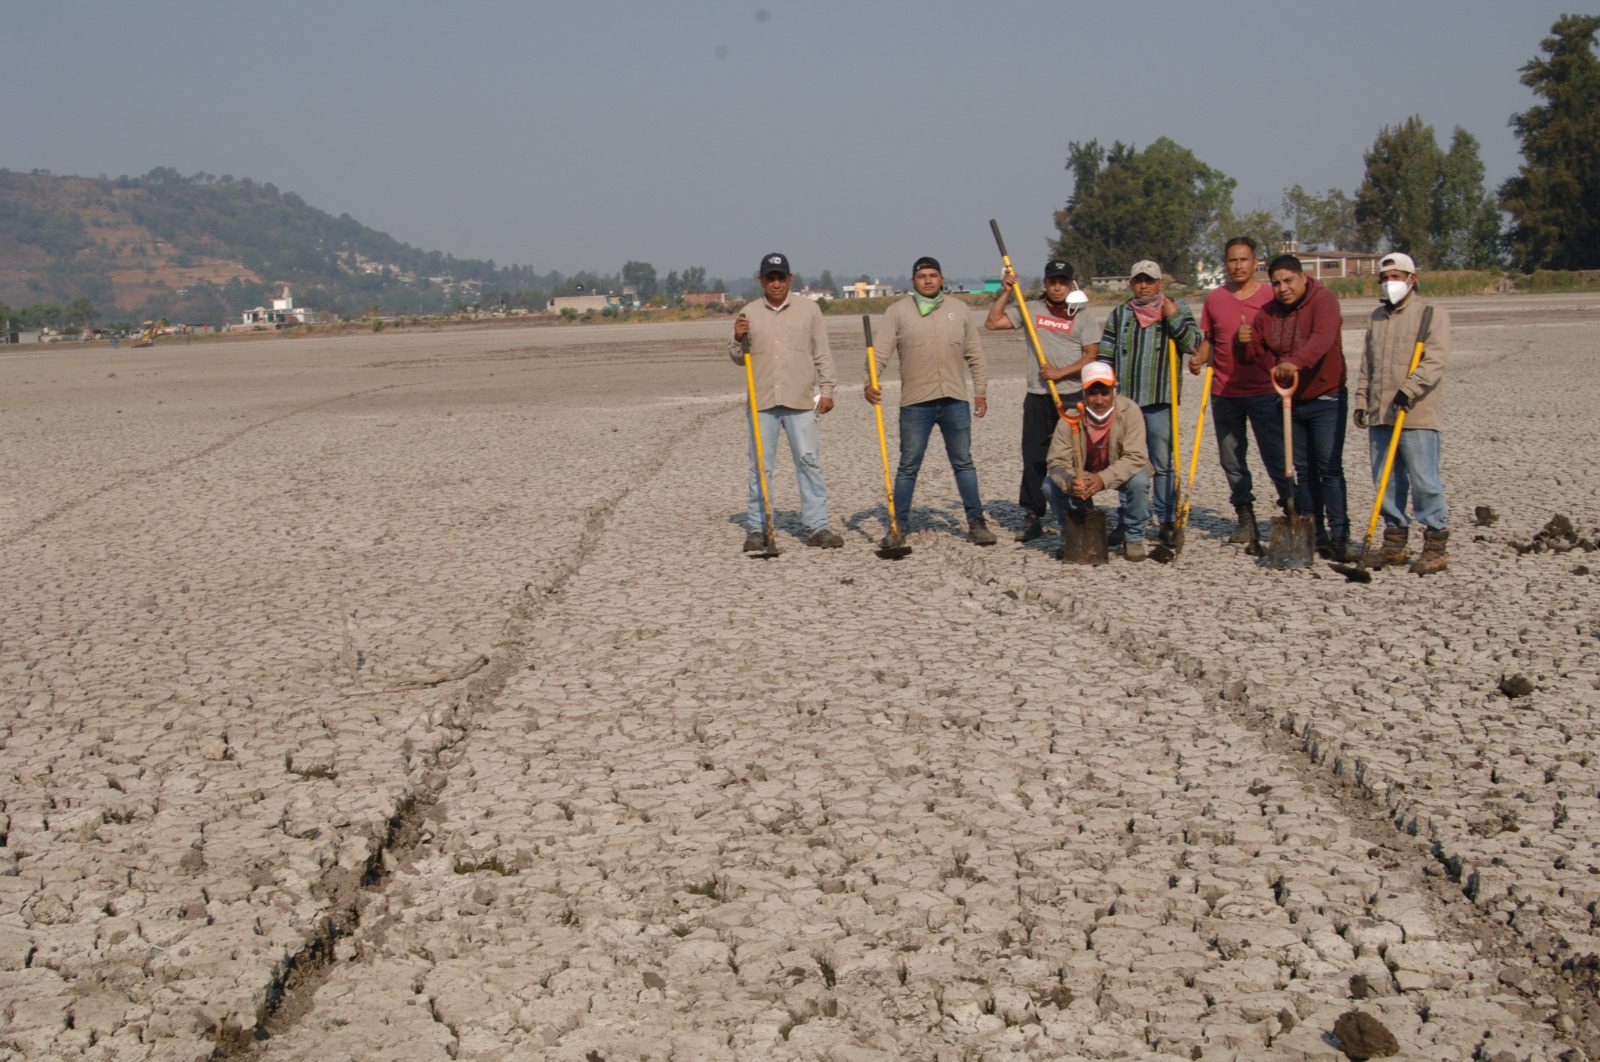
1306,335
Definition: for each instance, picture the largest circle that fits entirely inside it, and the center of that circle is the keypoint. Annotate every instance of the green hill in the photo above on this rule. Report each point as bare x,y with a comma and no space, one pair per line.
203,248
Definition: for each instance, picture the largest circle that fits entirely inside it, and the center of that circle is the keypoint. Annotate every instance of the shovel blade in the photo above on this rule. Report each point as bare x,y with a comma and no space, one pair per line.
1355,573
894,548
1083,537
1293,543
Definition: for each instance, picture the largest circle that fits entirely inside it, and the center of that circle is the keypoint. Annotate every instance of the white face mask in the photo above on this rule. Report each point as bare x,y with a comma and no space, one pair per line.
1076,300
1395,290
1099,418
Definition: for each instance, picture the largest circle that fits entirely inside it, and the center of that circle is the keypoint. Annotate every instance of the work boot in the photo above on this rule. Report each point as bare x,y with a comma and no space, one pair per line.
1134,551
1246,532
826,538
1393,554
1169,534
1032,528
978,532
1433,557
1339,550
754,542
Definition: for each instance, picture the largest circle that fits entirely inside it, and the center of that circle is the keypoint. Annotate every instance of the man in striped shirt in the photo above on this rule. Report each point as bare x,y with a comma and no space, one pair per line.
1135,343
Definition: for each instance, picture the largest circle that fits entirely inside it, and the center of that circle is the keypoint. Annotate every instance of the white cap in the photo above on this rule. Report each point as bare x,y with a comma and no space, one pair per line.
1145,268
1099,372
1397,260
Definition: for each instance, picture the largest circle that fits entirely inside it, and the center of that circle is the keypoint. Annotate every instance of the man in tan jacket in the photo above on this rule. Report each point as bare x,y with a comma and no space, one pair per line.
1115,457
936,339
1387,385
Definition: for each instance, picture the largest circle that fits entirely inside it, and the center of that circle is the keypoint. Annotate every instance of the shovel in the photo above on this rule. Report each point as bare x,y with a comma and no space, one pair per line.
1294,536
769,548
1027,320
895,548
1357,572
1083,531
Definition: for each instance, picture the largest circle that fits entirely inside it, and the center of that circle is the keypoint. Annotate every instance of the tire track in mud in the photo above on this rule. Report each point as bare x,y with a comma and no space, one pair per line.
1376,802
293,984
222,442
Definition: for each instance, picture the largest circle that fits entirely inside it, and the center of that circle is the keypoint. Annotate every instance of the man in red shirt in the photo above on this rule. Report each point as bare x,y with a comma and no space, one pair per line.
1241,389
1297,333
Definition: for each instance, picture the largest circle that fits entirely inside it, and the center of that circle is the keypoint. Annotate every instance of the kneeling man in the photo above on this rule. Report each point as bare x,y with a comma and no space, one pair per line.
1115,457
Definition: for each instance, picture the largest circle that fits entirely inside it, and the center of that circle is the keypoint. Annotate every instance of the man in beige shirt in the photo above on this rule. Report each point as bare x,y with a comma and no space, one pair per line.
936,339
793,368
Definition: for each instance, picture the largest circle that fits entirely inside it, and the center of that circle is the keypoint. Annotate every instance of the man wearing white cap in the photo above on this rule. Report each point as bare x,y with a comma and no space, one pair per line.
1114,458
1135,343
1387,385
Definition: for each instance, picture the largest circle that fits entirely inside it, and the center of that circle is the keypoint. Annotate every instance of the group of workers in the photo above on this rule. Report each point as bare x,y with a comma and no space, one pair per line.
1259,339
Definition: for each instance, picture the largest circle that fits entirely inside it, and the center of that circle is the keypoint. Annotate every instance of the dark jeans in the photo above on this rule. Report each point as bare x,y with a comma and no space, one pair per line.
1264,415
1319,463
953,416
1039,420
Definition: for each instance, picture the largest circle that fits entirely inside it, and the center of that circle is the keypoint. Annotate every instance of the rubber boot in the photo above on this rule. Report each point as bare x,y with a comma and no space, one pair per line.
1246,532
1433,557
1394,548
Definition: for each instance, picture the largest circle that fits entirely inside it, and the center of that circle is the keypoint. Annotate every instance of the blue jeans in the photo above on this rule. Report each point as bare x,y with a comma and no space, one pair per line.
1158,441
1416,471
1318,427
1133,506
800,425
1264,416
954,419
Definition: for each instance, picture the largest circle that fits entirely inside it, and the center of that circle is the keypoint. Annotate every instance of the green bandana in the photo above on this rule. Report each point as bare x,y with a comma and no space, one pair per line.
925,305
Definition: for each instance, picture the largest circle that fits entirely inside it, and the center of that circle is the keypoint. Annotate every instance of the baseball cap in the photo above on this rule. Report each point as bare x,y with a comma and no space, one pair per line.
1099,372
926,262
774,263
1057,268
1397,260
1145,268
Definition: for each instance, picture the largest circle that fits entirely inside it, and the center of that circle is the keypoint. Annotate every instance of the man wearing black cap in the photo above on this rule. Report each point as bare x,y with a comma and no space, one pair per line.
937,342
1069,335
793,367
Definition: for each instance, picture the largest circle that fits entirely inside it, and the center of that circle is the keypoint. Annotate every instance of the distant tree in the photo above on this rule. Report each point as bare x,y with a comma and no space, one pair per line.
1426,202
642,275
79,311
1260,225
825,283
719,288
673,285
1326,221
1554,199
694,279
1128,204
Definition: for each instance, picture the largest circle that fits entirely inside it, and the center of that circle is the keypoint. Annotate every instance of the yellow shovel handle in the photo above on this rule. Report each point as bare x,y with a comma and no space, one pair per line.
1027,320
883,440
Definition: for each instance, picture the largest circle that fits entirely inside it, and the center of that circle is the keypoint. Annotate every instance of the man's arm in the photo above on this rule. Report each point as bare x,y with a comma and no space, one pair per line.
1135,452
972,351
998,320
1326,321
1091,352
1181,327
1434,354
822,361
885,342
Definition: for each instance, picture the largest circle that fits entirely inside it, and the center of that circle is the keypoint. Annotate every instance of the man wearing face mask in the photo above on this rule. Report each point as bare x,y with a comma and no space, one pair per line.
1387,385
1069,335
1135,343
1297,333
937,342
1114,458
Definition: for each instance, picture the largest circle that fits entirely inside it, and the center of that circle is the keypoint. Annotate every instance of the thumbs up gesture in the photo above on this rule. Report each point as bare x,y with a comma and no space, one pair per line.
1245,334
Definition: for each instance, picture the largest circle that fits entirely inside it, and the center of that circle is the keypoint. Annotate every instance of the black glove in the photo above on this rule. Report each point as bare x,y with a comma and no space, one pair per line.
1361,418
1402,400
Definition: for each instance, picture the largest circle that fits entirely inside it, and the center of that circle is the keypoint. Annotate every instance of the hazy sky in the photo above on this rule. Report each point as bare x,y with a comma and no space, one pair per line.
853,136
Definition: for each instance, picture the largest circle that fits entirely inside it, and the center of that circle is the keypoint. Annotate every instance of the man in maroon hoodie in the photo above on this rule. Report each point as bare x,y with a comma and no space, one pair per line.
1298,334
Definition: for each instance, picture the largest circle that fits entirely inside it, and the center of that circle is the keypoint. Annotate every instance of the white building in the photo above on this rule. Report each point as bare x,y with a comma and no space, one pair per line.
283,312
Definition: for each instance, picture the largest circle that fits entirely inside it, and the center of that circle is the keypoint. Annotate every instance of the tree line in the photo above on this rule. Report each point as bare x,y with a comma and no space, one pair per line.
1415,196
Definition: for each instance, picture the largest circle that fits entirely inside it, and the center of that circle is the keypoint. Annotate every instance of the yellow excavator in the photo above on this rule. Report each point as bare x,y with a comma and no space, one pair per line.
147,336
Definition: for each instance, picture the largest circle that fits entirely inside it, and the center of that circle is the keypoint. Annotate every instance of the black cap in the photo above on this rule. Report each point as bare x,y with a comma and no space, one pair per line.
925,262
1057,268
774,263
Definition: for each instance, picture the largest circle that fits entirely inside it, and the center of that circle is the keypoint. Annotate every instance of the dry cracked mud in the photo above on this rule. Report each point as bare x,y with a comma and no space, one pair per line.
407,696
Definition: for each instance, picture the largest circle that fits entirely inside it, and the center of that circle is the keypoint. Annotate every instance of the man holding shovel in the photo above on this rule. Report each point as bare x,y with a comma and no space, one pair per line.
1389,385
1241,389
1297,333
1114,457
1069,337
1135,344
792,362
937,343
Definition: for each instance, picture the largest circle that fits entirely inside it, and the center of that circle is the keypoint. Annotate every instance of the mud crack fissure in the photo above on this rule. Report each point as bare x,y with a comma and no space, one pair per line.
1375,800
295,980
